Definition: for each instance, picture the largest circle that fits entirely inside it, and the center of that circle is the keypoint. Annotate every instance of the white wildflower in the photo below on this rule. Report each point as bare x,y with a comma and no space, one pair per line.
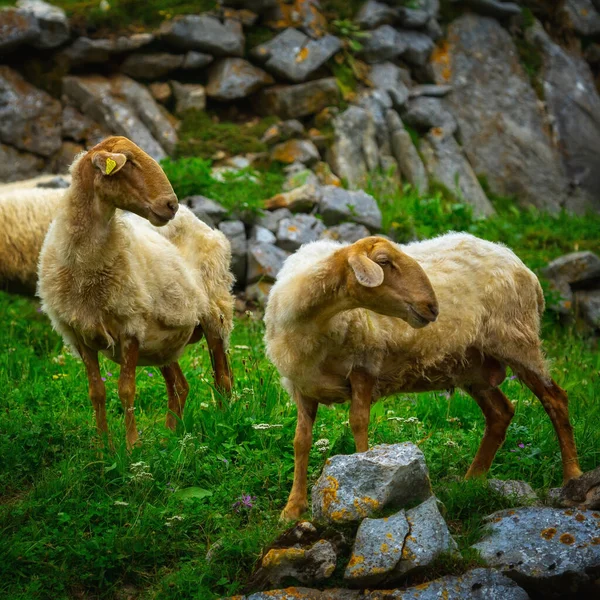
322,445
186,440
204,404
261,426
174,519
409,420
451,444
120,503
140,472
242,347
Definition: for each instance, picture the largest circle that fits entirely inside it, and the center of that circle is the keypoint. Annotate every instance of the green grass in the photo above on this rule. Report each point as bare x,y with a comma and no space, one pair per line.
79,521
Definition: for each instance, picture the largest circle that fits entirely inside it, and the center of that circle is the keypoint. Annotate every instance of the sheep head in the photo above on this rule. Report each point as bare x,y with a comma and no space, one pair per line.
123,176
382,278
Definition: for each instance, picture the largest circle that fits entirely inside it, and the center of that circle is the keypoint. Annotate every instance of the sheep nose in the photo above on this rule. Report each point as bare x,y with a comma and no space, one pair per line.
173,205
434,309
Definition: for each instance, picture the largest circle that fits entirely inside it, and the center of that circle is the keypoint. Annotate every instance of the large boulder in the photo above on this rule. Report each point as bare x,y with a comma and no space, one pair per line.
300,229
573,103
29,117
264,261
392,79
51,20
372,14
384,43
16,28
446,164
354,152
188,96
424,112
296,101
338,205
205,33
352,487
503,131
550,552
235,78
346,232
123,107
584,18
294,56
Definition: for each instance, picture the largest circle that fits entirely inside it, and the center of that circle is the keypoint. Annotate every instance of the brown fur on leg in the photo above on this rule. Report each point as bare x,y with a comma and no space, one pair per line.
177,392
220,363
298,500
360,408
97,389
129,359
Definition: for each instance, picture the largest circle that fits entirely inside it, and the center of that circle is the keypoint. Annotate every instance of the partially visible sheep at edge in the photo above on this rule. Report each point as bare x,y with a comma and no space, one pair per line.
114,283
359,322
25,216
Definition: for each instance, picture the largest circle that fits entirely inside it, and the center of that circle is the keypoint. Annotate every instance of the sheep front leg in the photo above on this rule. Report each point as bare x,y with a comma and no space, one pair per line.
298,501
360,408
177,393
129,359
97,389
221,370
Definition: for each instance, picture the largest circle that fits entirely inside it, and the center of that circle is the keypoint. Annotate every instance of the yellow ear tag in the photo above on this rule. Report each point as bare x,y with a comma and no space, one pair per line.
110,165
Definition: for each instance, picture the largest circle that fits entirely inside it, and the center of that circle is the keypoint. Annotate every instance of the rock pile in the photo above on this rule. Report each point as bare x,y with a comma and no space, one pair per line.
427,107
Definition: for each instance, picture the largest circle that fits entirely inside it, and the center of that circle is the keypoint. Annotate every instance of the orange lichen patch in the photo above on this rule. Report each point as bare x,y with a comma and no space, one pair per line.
366,506
596,515
496,519
510,513
389,536
595,541
407,554
422,586
292,228
567,538
356,559
384,548
569,513
549,533
329,492
579,517
276,556
445,594
440,58
302,55
288,152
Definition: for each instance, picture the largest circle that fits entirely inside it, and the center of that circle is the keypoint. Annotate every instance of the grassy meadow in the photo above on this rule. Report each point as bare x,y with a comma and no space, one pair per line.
185,515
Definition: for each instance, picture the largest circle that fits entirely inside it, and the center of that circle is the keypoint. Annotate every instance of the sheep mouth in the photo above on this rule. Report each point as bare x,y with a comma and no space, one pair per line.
158,219
418,318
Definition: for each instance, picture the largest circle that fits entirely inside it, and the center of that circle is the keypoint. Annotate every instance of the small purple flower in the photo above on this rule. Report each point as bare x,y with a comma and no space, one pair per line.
103,378
38,309
512,377
245,502
150,374
521,445
109,374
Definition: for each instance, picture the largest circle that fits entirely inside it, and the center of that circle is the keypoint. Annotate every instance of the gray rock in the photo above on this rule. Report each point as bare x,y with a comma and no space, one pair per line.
56,183
430,89
372,14
520,491
281,132
257,6
207,210
29,117
51,20
15,165
354,151
161,91
196,60
294,56
292,151
259,292
270,220
346,232
409,162
16,28
311,565
262,235
377,103
301,593
151,115
495,8
377,549
573,103
300,178
429,537
418,47
188,96
587,305
235,232
235,78
203,32
583,16
305,15
300,229
338,204
446,164
61,160
384,43
352,487
103,100
151,66
551,551
478,584
390,78
501,123
424,112
300,199
75,126
89,51
264,262
296,101
584,491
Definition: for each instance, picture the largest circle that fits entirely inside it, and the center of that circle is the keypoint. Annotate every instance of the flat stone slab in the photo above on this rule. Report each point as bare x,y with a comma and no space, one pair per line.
235,78
352,487
338,204
552,551
300,229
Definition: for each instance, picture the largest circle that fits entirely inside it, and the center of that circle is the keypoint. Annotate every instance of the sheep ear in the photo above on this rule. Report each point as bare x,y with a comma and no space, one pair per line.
109,163
367,272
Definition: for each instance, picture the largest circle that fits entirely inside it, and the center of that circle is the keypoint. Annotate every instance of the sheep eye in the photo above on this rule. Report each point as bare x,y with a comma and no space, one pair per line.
382,261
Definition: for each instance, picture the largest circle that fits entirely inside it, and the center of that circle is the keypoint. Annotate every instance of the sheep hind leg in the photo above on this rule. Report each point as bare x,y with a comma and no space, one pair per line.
129,358
498,412
360,408
177,393
556,404
220,364
298,500
97,389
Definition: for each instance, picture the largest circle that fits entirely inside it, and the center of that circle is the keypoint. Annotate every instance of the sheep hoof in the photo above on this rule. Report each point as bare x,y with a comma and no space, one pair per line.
292,512
583,491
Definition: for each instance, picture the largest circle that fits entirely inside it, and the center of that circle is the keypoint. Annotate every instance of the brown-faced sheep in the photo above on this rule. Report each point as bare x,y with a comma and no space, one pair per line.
112,282
358,322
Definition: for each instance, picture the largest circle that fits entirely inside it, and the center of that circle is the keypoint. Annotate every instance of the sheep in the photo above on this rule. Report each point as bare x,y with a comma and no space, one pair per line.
25,216
127,272
358,322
